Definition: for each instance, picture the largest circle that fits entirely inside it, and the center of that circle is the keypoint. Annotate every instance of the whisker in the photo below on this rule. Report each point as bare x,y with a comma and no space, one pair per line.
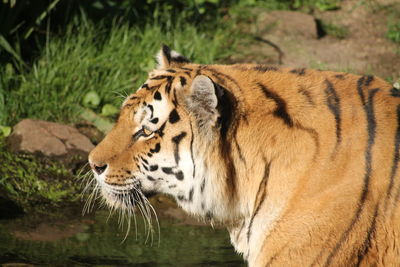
123,200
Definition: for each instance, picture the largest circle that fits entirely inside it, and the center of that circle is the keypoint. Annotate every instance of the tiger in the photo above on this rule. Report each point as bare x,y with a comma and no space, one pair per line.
300,165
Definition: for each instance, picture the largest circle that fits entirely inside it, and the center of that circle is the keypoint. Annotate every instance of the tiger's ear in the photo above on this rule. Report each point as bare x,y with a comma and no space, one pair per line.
202,102
168,58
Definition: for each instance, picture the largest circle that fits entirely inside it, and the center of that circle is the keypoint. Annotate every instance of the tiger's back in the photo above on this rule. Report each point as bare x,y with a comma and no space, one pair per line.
332,140
300,165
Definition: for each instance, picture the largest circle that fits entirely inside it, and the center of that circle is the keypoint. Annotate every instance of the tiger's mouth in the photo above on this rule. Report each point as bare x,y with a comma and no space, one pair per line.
123,196
130,198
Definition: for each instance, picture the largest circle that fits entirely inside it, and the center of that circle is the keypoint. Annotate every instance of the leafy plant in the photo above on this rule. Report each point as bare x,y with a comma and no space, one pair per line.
30,180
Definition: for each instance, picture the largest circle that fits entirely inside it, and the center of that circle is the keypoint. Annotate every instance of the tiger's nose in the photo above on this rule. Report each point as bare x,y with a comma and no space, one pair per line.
98,168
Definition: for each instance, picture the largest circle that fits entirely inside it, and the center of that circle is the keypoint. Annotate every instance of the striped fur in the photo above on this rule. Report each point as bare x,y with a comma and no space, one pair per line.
300,165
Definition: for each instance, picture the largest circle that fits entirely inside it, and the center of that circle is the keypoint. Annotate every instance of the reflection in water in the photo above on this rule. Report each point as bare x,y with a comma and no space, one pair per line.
97,240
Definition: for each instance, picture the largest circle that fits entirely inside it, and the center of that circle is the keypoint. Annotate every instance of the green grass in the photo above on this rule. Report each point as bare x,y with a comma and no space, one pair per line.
110,61
393,32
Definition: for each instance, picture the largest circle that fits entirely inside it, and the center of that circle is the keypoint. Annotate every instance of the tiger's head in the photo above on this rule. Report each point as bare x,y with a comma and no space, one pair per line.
165,141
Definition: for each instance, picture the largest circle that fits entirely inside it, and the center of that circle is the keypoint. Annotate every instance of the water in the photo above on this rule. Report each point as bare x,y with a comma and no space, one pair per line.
65,238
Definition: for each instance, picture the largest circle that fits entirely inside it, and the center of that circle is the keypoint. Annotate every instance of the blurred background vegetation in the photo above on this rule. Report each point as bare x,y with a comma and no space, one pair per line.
54,52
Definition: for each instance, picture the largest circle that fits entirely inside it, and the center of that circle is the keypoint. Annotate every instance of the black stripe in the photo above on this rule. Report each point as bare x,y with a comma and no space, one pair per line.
171,70
241,229
153,168
281,109
265,68
340,76
167,170
173,116
151,109
191,151
166,52
360,84
156,149
307,95
191,194
239,150
226,151
203,184
180,59
154,121
364,81
168,85
275,256
367,242
314,134
368,80
218,75
396,158
183,80
175,99
185,68
150,88
226,108
160,131
161,77
157,96
395,92
144,160
300,72
333,102
176,140
263,187
179,175
371,128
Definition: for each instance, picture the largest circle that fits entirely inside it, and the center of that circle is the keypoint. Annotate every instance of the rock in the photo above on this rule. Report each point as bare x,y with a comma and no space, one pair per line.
94,134
50,139
288,23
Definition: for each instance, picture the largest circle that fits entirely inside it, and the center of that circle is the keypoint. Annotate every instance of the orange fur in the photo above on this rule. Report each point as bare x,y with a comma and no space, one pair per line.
306,172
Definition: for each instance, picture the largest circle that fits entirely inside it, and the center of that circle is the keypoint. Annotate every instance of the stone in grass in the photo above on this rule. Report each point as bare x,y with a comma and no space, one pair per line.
50,139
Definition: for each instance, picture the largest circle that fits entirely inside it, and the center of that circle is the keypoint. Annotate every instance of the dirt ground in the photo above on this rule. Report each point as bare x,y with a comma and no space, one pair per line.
294,39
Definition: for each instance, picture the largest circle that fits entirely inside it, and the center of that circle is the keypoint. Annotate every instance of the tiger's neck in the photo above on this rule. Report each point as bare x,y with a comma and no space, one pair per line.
209,197
210,193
